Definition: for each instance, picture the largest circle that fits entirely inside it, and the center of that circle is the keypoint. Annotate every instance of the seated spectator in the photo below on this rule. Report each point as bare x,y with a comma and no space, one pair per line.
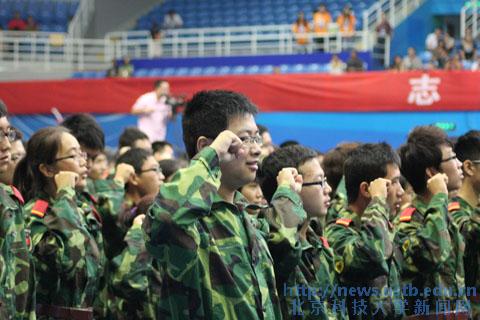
384,28
346,22
17,23
132,137
440,54
449,42
31,24
354,63
476,64
172,20
397,64
126,69
113,71
300,30
411,61
468,46
431,42
454,63
336,65
162,150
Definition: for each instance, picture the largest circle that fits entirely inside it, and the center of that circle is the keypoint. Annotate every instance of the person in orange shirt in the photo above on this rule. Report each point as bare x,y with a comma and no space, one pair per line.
321,20
346,22
300,30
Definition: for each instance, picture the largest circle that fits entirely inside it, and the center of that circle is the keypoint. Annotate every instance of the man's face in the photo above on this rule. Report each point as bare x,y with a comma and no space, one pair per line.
99,167
452,167
163,89
395,190
237,173
267,147
150,178
315,198
5,146
92,154
166,153
253,193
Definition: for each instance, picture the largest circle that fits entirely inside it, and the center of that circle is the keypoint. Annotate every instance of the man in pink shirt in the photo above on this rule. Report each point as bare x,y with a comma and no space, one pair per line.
153,111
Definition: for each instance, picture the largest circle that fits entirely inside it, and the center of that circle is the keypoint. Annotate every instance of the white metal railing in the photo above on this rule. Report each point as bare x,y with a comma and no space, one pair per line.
80,22
470,18
54,51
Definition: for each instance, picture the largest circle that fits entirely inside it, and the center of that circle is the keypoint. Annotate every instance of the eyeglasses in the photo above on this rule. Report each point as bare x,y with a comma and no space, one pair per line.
250,140
77,157
158,170
11,134
451,158
322,183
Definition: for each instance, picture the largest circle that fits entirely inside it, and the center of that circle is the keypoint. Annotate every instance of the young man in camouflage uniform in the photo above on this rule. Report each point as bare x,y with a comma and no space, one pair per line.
315,271
362,238
216,264
464,209
431,243
17,299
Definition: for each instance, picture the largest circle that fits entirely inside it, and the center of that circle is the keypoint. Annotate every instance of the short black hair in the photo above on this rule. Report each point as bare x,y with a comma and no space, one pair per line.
334,160
160,145
158,83
262,129
291,156
366,163
171,166
467,146
129,136
3,109
208,113
289,143
422,151
134,157
85,128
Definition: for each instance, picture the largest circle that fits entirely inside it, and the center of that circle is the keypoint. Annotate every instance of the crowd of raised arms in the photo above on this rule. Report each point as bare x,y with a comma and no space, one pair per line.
242,229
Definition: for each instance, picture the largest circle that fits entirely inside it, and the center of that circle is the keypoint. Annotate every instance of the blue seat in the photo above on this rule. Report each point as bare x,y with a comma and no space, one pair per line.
267,69
313,68
168,72
140,73
196,71
238,70
183,71
252,69
208,71
224,70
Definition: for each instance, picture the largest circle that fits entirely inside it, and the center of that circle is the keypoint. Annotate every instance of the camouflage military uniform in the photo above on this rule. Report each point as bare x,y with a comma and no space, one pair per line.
135,281
17,299
366,258
433,250
467,219
315,271
216,264
338,203
67,257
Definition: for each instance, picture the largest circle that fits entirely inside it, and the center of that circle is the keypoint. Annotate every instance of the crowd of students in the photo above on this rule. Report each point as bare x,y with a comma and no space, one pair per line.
244,230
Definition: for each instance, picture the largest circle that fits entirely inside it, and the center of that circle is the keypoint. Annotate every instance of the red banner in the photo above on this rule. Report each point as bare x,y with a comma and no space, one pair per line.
371,91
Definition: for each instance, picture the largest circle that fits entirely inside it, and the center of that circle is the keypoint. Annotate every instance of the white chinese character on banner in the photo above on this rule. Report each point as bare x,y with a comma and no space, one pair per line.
424,90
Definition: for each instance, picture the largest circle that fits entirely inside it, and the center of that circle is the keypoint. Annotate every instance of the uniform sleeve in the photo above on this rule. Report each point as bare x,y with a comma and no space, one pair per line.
110,196
362,252
284,218
469,225
170,226
131,268
426,246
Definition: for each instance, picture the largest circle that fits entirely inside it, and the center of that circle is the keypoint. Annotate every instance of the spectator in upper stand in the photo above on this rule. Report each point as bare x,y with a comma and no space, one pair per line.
431,42
17,23
126,69
172,20
113,71
468,46
155,31
346,22
454,63
336,65
397,64
354,63
449,42
31,24
476,64
384,28
300,30
411,61
440,54
321,21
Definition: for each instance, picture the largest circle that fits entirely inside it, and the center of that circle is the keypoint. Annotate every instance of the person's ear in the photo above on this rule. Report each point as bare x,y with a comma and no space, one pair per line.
47,170
363,190
134,180
203,142
468,168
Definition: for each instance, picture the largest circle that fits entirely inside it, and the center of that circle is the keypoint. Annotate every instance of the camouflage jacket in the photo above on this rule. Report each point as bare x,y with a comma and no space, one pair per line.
216,264
67,257
17,287
135,281
433,250
467,219
307,292
367,262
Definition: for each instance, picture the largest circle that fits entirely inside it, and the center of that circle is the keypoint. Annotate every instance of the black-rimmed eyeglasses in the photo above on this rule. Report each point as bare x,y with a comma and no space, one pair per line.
10,135
322,183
